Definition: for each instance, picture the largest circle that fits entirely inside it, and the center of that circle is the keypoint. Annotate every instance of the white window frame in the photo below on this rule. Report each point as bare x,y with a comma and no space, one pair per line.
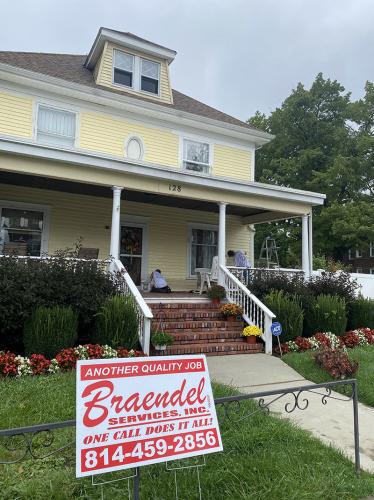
202,140
37,208
371,249
191,226
137,74
52,106
358,253
371,270
359,270
350,254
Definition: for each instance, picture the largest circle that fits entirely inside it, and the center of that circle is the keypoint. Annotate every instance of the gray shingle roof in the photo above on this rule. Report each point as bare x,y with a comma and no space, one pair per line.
71,68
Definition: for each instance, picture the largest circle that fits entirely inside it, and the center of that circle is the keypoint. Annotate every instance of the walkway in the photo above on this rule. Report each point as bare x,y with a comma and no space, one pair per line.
331,423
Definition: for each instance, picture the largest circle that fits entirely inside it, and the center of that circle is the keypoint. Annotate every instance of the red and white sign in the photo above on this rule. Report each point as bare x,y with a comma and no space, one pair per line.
140,411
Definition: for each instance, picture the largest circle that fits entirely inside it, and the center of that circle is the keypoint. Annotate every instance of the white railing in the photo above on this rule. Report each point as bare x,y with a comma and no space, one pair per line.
244,274
128,287
254,311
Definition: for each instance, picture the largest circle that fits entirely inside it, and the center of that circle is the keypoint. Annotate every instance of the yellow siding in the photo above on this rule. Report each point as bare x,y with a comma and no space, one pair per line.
15,115
73,216
106,134
105,74
232,162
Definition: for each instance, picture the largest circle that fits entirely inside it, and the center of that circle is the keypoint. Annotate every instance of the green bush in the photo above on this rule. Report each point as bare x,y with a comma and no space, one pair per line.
288,311
28,283
49,330
326,313
361,314
117,323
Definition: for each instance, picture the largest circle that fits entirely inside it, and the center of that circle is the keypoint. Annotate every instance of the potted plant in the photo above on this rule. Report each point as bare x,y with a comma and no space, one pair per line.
216,293
231,311
161,340
251,332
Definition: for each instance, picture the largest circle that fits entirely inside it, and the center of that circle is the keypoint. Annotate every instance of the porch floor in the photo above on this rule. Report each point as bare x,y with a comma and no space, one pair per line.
173,297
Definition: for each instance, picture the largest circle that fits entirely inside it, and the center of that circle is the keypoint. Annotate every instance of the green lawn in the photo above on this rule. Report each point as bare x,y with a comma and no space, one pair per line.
304,363
264,458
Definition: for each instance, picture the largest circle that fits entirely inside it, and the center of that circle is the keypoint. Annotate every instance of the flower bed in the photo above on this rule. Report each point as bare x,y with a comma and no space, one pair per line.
12,365
358,337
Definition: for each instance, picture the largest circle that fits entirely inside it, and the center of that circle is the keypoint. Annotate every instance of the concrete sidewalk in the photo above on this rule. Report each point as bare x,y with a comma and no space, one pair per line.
331,423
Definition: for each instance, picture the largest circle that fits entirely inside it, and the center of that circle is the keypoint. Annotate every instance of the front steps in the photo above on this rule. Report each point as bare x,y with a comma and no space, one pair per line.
199,328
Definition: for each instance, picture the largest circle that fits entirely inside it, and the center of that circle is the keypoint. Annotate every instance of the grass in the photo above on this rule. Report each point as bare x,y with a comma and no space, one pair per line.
304,364
264,457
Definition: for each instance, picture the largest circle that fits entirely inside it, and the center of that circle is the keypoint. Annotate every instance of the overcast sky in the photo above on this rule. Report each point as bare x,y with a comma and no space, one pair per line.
236,55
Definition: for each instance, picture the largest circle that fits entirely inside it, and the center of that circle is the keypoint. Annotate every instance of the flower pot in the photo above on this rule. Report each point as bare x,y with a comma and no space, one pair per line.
216,301
231,318
160,347
251,339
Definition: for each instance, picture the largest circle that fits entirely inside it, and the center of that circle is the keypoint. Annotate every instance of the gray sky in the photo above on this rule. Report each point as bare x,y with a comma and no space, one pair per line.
236,55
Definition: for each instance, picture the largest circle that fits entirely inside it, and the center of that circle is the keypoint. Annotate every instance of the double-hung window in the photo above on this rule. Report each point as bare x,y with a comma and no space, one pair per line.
196,156
56,127
150,76
123,68
203,247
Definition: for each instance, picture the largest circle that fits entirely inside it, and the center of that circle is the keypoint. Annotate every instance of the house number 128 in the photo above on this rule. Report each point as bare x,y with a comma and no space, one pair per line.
175,187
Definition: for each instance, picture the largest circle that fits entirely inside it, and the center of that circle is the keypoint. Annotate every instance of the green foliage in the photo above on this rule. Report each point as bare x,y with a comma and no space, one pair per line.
117,323
29,283
326,313
161,338
330,283
262,282
317,148
361,314
216,292
288,311
49,330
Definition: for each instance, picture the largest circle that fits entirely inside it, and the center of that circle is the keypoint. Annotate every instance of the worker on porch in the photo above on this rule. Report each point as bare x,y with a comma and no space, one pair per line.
159,283
239,257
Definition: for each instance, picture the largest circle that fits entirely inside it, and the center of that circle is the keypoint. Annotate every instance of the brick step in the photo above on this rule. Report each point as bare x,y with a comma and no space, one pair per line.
192,336
208,341
198,325
187,314
213,349
185,306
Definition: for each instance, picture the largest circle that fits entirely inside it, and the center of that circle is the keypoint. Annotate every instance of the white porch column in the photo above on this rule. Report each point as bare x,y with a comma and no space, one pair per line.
115,227
221,239
305,245
310,243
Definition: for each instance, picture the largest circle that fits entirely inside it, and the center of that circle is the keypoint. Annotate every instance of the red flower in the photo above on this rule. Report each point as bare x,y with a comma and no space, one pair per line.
94,351
351,339
122,352
8,364
322,339
67,359
302,343
39,364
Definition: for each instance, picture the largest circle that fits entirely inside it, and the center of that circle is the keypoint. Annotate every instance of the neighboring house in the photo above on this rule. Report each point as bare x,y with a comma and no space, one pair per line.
101,147
361,260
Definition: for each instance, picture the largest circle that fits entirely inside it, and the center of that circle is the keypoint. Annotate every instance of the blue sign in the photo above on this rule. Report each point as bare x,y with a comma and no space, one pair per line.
276,329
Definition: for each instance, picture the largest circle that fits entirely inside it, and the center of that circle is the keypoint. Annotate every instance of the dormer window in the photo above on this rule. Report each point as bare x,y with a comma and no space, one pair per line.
196,156
123,68
150,76
136,73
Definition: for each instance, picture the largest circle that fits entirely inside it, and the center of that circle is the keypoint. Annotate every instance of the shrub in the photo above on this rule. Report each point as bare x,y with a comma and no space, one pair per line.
330,283
161,338
49,330
29,283
361,313
263,281
289,313
326,313
117,323
336,363
216,292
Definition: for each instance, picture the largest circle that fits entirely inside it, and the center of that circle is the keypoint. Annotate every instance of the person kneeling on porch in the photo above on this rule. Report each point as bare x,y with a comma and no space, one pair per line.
240,258
158,282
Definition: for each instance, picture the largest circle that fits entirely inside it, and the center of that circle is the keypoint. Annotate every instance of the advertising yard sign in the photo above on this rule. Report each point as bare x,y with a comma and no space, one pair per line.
140,411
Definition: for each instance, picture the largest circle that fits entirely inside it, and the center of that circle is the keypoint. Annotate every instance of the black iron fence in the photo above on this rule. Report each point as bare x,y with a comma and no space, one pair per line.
37,441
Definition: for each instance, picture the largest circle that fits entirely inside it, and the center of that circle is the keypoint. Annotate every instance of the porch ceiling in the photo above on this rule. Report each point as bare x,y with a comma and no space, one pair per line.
252,215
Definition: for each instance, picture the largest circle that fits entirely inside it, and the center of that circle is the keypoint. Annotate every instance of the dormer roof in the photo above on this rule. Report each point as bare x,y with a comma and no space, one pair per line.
126,40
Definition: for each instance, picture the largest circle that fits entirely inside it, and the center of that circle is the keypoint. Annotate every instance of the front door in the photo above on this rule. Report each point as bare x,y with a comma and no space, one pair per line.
132,250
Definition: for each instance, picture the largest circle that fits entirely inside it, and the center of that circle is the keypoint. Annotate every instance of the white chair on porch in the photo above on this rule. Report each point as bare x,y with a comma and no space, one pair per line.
207,276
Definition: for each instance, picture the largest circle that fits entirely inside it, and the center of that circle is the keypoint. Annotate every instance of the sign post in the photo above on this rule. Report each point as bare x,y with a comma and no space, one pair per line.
276,330
140,411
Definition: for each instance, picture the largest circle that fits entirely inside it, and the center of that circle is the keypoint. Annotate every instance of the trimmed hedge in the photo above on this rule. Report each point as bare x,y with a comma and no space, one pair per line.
117,323
49,330
288,311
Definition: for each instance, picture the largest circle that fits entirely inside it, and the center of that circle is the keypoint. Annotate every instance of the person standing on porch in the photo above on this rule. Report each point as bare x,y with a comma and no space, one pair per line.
240,258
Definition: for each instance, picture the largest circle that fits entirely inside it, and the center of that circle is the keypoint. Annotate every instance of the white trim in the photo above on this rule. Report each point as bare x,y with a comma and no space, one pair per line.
358,253
50,105
142,222
38,208
145,107
190,227
106,162
141,144
371,270
371,249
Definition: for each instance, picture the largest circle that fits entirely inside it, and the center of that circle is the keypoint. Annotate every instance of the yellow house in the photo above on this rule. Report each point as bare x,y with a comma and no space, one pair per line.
101,148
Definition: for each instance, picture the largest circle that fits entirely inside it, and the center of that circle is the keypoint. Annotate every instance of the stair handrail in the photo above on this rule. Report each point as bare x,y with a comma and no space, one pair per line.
255,312
128,287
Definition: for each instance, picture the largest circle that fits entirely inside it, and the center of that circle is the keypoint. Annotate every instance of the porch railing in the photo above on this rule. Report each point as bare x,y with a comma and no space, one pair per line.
128,287
245,274
254,311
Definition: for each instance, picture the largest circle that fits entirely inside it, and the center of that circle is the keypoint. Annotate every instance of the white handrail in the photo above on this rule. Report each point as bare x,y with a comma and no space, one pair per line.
254,311
128,287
